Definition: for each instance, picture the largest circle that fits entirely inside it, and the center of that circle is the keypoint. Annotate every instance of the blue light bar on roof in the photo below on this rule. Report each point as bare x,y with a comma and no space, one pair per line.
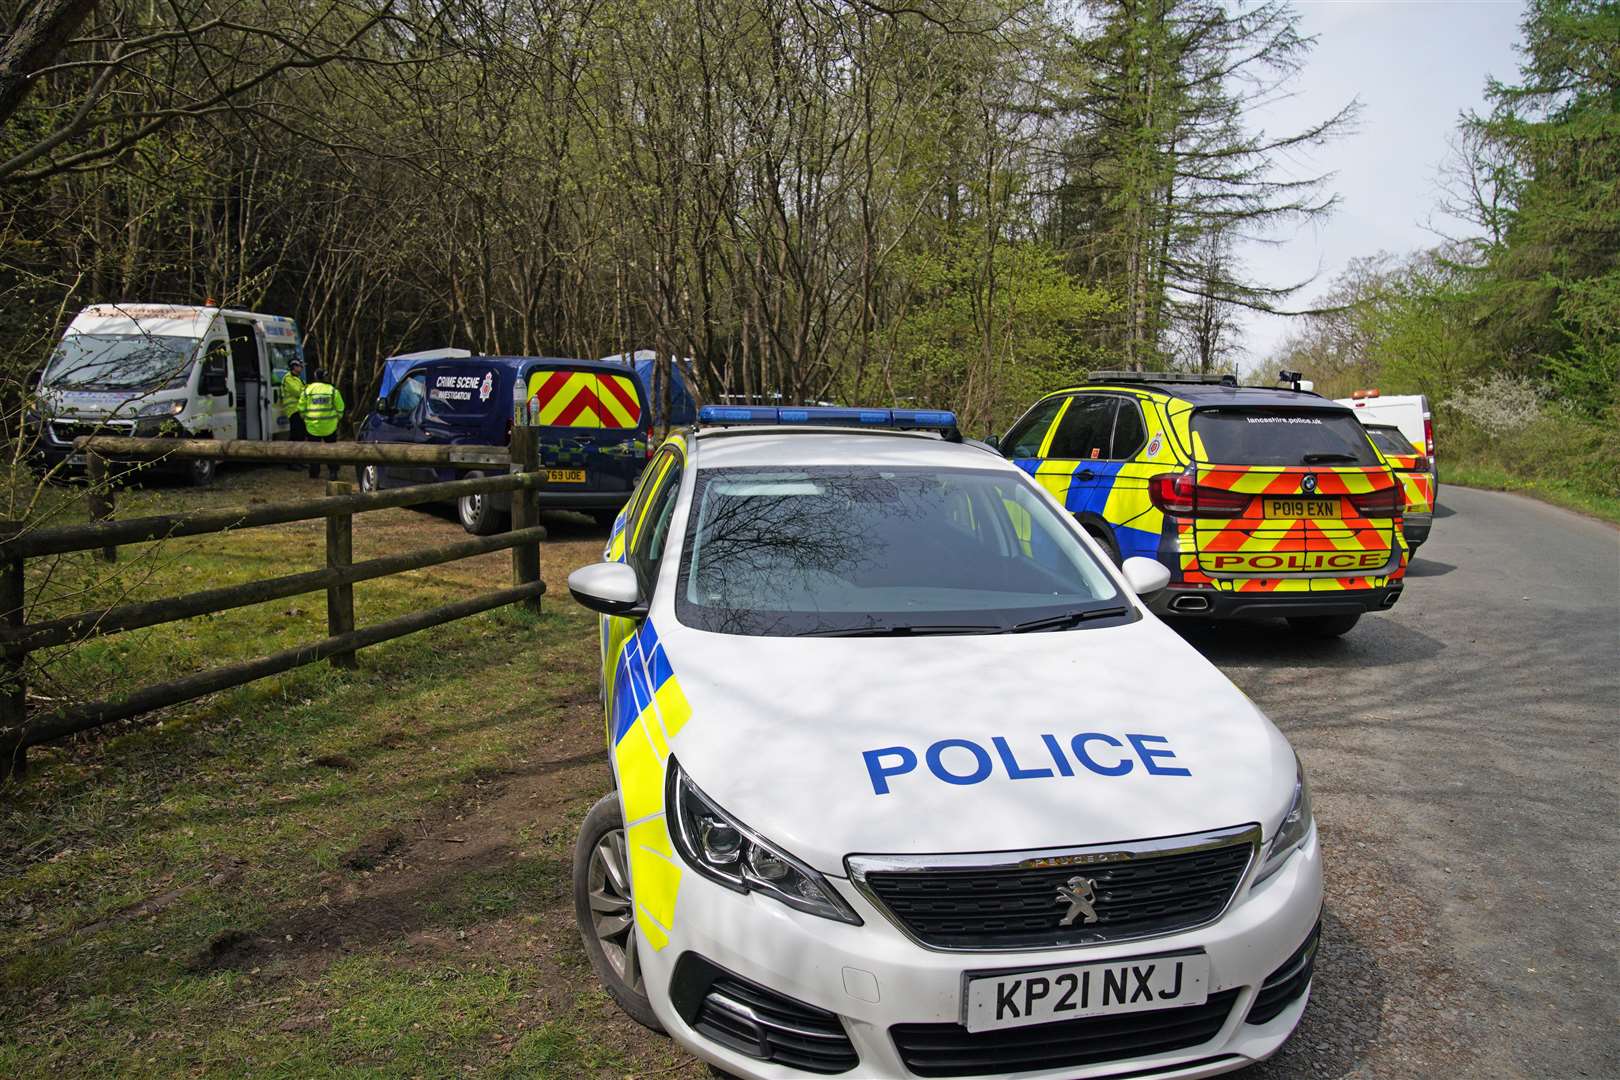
827,416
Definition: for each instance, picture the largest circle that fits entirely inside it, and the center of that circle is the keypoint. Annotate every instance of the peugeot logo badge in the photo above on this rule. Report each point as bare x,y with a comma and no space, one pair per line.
1307,483
1080,894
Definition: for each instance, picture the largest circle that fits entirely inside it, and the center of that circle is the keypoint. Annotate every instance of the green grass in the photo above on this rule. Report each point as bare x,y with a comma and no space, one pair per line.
133,863
1570,495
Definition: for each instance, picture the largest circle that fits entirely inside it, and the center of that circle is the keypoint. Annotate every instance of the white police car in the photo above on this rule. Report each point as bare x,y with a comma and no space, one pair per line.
910,782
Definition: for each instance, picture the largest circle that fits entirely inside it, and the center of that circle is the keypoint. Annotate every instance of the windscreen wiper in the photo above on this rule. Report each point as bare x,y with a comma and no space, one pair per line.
1066,620
1335,455
902,630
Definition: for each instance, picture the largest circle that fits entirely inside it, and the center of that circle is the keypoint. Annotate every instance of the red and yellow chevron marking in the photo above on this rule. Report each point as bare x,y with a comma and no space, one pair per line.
583,399
1271,481
1253,545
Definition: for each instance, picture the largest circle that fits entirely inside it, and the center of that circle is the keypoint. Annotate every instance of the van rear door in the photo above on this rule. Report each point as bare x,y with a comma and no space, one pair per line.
591,426
1291,499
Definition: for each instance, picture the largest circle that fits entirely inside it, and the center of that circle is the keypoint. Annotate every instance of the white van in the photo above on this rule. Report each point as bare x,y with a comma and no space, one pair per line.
164,369
1409,412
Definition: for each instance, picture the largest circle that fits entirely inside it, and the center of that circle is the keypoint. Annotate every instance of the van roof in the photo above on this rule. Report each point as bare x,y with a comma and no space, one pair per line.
520,361
181,320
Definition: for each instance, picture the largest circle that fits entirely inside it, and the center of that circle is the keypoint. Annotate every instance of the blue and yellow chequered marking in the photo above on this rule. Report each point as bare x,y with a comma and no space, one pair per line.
648,710
1115,491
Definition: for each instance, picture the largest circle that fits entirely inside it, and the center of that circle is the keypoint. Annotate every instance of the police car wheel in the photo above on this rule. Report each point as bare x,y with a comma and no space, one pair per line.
603,909
1106,540
1323,626
367,475
200,472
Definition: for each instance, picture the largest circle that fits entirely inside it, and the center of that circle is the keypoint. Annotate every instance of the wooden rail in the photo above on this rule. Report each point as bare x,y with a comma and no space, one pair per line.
18,638
450,456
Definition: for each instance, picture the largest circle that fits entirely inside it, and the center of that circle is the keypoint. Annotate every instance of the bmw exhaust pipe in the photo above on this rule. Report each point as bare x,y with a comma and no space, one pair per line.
1190,603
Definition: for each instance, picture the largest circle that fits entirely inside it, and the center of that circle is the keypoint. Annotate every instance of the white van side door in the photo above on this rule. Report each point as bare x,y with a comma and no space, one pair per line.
214,410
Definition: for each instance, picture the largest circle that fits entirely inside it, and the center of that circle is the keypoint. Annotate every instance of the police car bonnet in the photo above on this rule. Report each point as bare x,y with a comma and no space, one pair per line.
836,746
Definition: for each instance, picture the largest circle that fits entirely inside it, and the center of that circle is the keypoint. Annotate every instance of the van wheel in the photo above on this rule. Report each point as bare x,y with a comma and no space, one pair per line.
478,513
200,472
604,912
367,477
1323,626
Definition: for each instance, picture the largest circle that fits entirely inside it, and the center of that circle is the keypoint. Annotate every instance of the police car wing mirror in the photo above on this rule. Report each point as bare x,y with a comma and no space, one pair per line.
610,588
1145,576
383,408
993,441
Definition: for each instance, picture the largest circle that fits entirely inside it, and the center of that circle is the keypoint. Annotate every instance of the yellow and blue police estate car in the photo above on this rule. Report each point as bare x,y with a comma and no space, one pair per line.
1261,501
900,786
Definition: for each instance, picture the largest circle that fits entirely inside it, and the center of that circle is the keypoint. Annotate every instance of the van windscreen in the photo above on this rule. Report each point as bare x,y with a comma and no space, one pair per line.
120,362
1281,436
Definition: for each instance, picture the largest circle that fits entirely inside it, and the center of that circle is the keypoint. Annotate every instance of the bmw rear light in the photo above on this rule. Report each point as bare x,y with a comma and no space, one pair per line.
1428,436
1386,502
1177,495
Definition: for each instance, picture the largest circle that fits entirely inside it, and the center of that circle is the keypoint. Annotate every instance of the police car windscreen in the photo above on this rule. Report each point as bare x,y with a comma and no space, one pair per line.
1281,436
836,550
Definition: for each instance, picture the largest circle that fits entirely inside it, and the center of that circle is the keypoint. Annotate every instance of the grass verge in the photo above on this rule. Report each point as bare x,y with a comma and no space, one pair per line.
1569,495
321,874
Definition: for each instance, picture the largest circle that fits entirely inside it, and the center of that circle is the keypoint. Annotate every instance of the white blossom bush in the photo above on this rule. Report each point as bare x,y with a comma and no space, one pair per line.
1500,404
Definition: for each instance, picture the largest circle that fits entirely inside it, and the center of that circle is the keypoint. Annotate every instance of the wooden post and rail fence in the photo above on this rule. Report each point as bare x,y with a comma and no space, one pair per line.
520,475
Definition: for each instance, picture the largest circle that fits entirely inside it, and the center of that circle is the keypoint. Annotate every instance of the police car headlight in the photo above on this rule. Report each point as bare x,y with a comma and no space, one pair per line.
1295,827
163,408
725,851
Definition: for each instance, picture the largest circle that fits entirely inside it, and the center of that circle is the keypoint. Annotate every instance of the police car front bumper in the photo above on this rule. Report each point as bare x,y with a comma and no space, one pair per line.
873,977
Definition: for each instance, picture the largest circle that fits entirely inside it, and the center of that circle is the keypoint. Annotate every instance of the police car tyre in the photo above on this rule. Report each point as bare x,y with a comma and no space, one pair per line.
1323,626
478,513
603,909
366,475
200,472
1105,539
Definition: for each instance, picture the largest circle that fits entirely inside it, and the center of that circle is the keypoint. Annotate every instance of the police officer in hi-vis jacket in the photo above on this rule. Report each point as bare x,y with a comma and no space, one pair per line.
322,407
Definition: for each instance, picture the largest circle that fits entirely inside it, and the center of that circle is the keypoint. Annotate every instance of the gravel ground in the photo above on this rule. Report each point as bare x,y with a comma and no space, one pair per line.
1464,760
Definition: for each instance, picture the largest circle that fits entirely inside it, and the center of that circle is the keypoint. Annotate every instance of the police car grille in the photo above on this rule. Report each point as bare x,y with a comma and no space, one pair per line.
953,1050
1017,907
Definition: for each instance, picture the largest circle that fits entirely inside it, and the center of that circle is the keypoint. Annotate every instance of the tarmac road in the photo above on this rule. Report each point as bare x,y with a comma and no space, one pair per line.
1465,764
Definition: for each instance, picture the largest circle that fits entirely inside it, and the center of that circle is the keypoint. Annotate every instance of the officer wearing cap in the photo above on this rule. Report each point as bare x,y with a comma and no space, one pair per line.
292,393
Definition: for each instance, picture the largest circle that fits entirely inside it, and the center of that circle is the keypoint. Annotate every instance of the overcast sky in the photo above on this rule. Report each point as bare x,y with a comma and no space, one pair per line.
1414,66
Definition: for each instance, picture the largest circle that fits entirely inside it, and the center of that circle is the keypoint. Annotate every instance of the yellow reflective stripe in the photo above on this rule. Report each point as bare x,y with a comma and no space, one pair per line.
1051,430
672,706
652,493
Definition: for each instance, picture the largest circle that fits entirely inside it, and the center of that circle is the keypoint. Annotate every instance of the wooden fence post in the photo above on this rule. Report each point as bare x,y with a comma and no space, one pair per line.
525,511
340,552
99,496
13,671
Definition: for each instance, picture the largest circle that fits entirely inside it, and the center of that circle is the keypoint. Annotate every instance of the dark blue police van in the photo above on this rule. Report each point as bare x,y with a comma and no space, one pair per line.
589,417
